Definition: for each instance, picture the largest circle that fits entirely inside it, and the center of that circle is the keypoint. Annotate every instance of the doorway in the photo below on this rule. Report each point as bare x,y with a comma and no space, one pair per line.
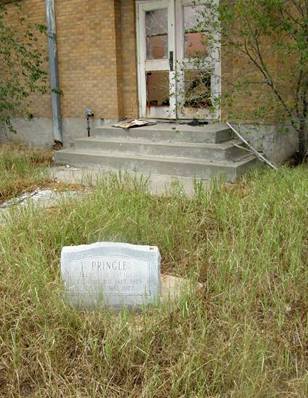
178,73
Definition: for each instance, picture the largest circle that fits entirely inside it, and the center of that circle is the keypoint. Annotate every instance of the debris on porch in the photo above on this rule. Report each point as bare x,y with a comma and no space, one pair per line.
128,124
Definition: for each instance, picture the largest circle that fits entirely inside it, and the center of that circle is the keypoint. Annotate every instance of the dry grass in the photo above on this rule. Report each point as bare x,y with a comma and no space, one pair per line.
22,169
244,336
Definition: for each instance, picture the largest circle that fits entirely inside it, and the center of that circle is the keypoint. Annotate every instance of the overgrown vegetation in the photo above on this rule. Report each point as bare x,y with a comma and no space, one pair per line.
243,335
22,64
269,38
22,169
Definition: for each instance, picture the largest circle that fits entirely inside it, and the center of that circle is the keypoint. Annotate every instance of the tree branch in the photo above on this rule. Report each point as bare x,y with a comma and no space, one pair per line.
290,16
271,84
298,7
297,95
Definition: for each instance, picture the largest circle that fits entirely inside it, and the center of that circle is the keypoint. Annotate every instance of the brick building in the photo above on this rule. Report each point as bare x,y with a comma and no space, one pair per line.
121,58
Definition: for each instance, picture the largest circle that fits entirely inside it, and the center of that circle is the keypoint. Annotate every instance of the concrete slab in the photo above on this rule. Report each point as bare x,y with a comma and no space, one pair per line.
172,287
157,184
39,198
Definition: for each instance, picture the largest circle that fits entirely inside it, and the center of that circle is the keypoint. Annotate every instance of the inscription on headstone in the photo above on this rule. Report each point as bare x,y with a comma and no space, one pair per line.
112,274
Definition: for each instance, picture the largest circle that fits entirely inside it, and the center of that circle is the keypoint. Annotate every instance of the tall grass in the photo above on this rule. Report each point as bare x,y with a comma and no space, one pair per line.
21,169
243,335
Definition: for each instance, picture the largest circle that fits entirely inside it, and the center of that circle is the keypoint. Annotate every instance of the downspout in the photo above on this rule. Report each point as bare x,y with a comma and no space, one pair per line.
54,72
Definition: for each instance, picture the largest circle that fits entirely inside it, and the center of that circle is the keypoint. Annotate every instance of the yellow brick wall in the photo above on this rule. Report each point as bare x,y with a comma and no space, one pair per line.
246,102
87,57
129,58
96,70
97,57
97,60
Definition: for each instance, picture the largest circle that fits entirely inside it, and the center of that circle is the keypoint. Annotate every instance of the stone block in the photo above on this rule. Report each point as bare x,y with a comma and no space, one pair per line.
111,274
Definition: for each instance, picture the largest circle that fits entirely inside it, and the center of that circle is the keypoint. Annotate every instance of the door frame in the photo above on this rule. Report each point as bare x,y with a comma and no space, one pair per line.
175,44
144,65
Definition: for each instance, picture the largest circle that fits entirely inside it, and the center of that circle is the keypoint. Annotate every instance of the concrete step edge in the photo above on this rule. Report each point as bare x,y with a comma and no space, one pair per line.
170,159
179,144
180,128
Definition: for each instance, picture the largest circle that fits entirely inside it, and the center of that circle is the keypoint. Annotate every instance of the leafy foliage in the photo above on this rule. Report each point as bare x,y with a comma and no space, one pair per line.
272,35
22,70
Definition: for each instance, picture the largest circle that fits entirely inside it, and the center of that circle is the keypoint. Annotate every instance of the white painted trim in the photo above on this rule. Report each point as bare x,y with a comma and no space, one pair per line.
139,57
161,112
145,65
175,44
156,64
172,47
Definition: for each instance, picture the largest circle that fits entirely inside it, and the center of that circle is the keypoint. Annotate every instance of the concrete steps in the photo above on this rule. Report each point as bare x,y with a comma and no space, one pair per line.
213,133
224,151
163,149
186,167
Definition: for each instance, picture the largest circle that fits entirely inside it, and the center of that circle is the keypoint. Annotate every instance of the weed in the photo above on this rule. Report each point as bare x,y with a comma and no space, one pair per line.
22,169
244,335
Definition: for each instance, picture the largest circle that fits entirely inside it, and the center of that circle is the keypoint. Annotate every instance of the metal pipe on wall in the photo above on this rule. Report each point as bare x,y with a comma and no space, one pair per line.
54,71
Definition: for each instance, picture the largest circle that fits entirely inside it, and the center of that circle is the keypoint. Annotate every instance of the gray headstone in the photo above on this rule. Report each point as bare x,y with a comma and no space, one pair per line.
113,274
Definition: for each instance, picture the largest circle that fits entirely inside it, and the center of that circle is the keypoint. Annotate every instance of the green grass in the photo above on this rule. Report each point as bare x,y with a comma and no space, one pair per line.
243,335
21,169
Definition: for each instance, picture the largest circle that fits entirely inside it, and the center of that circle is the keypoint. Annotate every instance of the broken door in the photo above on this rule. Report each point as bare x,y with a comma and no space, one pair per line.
178,72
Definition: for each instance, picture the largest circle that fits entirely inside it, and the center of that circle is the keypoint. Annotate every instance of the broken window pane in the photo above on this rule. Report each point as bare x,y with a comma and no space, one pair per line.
156,26
194,39
157,88
197,89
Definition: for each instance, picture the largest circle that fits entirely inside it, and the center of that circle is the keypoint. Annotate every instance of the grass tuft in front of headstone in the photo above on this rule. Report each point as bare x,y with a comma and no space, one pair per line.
242,334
